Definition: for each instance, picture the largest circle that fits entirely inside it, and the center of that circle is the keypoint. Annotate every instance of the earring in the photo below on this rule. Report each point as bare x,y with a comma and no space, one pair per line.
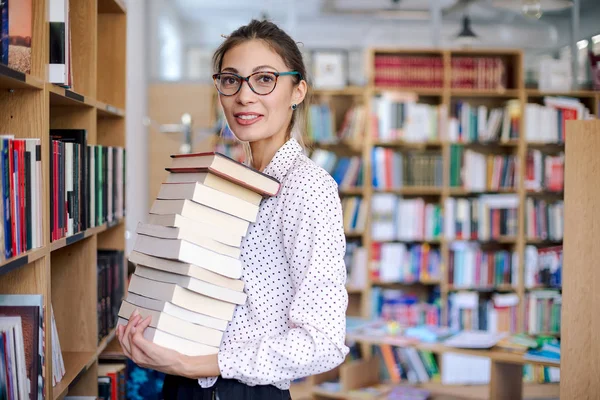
294,106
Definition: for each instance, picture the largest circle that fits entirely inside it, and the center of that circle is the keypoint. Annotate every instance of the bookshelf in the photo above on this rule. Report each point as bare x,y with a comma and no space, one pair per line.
447,97
64,271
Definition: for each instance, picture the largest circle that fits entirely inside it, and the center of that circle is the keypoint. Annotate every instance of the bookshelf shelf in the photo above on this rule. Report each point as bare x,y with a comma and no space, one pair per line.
498,288
76,364
65,272
105,341
511,143
110,111
414,283
351,191
466,192
64,97
347,91
354,290
510,93
413,191
426,92
575,93
22,259
407,144
11,79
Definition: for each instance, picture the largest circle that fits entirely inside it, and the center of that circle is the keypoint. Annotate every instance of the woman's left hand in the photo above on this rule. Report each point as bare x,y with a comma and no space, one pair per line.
145,353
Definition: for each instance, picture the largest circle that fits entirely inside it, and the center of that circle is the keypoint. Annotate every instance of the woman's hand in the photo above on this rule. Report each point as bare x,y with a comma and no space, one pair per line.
152,356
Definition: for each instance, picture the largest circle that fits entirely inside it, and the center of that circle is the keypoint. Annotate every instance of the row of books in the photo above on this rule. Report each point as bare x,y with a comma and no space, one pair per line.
396,218
393,170
87,183
348,172
544,220
470,311
404,308
483,218
543,266
544,171
545,123
478,124
542,310
22,370
321,124
60,63
488,73
355,210
111,382
406,364
478,172
21,209
393,70
399,116
356,265
399,262
187,253
470,266
111,289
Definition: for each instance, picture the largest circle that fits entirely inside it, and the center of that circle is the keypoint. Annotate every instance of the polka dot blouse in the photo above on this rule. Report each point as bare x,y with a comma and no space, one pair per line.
294,321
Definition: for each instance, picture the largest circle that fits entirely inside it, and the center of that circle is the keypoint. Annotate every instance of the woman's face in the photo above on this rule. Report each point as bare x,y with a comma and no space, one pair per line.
250,116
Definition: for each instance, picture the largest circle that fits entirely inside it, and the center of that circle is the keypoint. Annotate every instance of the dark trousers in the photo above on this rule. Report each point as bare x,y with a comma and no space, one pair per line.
179,388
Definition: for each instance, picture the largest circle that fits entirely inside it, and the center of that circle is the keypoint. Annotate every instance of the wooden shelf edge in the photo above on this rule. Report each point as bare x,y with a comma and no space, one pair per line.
107,110
76,364
12,79
571,93
67,241
105,341
112,7
484,93
345,91
22,260
62,96
435,92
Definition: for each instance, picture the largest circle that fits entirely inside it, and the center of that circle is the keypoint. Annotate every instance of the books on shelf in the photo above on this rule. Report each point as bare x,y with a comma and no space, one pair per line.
187,257
59,65
484,218
400,117
356,263
111,381
544,220
408,71
469,266
404,308
545,123
87,183
544,172
346,171
478,72
478,124
321,124
399,262
542,312
21,209
543,266
394,170
478,172
471,311
355,210
111,289
407,219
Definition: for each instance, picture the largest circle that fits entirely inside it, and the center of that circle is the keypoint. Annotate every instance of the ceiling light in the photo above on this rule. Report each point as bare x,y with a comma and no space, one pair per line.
466,35
532,8
582,44
596,39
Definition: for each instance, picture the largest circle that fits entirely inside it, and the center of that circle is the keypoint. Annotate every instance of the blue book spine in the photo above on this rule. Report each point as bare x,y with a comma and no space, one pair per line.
4,33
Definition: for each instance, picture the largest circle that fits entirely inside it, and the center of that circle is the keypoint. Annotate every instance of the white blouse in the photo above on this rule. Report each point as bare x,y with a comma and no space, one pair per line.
293,323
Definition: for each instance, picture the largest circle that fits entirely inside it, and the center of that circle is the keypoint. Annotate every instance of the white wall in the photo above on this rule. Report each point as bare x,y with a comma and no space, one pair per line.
136,143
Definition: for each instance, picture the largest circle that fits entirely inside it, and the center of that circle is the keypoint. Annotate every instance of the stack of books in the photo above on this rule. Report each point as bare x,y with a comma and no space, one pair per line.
187,255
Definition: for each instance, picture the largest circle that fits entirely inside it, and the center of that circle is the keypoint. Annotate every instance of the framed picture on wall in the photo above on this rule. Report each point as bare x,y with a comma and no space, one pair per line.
329,69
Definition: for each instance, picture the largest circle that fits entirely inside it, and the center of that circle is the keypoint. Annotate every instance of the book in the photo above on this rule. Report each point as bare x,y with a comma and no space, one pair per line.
227,168
200,213
195,237
191,270
193,284
218,183
181,345
173,325
181,297
185,225
176,311
182,250
210,197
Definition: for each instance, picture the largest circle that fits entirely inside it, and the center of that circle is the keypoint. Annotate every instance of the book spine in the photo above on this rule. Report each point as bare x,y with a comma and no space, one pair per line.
28,201
6,199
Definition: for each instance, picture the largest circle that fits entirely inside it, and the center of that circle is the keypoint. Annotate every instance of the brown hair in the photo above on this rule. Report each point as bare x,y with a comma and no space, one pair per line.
280,42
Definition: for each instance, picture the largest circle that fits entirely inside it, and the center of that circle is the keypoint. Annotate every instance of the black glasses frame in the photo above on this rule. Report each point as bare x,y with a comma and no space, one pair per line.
247,79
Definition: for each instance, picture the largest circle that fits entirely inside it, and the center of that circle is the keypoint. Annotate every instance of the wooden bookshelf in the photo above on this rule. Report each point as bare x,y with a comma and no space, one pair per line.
65,271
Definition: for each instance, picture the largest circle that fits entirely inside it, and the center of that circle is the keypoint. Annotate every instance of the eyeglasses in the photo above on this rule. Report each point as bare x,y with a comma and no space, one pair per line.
261,83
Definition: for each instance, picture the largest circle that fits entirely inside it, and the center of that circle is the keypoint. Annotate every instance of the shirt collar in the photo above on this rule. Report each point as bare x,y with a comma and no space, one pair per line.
283,160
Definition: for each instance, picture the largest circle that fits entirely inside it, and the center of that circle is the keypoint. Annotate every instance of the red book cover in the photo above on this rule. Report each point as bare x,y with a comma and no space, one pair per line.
22,195
13,195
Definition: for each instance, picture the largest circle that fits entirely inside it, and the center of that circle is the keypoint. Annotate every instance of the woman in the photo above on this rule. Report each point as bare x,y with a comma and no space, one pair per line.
293,323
